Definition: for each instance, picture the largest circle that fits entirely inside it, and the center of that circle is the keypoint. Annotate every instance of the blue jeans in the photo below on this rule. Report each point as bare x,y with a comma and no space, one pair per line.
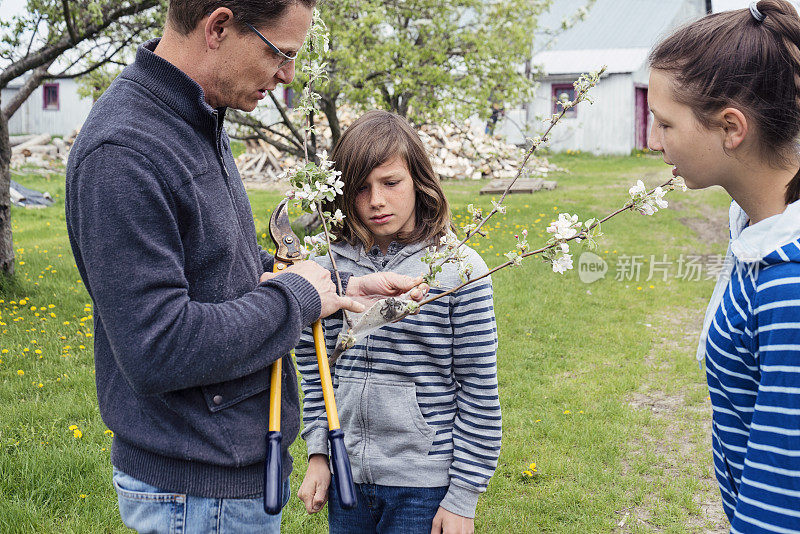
385,510
148,509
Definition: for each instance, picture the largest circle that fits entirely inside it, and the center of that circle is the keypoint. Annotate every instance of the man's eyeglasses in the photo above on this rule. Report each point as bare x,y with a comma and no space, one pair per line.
286,58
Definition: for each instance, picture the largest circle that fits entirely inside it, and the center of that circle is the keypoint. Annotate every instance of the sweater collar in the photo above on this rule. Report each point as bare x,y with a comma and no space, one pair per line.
359,255
753,243
172,86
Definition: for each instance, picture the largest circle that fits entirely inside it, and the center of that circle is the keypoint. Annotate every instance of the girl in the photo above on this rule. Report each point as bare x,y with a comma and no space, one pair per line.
725,96
418,399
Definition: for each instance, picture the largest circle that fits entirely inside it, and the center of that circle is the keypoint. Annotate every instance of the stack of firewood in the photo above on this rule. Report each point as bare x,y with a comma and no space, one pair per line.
456,152
40,150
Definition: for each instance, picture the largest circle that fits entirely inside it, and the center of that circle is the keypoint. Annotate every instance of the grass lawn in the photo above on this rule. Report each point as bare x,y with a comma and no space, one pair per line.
598,381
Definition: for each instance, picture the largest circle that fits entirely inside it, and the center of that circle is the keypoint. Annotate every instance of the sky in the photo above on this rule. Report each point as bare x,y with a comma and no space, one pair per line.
9,8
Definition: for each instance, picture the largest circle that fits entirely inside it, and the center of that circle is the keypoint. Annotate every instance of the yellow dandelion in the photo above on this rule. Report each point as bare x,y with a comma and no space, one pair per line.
566,412
532,467
73,427
77,433
527,473
83,495
40,385
20,372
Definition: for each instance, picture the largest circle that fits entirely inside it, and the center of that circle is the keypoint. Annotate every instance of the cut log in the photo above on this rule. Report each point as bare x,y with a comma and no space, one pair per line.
47,150
262,159
251,159
308,222
36,141
15,140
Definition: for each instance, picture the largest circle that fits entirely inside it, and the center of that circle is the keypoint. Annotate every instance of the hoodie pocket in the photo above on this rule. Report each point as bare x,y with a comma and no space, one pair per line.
384,418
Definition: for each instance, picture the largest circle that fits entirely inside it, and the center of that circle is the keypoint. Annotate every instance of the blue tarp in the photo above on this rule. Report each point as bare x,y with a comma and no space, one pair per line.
29,198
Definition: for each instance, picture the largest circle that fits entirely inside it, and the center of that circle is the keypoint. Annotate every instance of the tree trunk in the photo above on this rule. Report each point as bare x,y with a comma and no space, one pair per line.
6,241
329,109
31,84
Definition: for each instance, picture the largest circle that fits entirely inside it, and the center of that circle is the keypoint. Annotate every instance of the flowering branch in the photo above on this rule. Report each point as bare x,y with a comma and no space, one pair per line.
450,250
567,228
312,183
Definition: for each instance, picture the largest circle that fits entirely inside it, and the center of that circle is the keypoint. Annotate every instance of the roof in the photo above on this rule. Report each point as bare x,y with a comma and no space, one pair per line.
618,33
618,60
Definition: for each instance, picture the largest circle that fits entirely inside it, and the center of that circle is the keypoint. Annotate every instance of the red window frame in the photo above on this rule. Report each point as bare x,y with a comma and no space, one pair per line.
45,87
558,88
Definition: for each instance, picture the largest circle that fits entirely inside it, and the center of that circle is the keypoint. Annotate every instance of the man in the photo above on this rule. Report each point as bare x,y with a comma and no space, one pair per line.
187,320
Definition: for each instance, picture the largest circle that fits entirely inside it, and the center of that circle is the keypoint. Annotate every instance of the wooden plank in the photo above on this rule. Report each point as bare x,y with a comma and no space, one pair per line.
523,185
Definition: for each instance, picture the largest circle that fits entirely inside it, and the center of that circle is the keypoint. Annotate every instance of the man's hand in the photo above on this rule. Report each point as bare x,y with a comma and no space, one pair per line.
320,278
381,285
445,522
314,489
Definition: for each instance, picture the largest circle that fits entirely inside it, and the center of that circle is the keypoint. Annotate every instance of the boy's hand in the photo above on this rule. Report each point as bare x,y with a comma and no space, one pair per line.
314,489
445,522
386,284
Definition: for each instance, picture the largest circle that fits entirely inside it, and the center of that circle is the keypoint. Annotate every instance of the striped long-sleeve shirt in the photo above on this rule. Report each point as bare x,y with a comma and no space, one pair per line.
752,354
418,399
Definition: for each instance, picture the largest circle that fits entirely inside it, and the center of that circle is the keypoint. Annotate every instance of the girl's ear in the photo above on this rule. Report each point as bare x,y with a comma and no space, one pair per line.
735,127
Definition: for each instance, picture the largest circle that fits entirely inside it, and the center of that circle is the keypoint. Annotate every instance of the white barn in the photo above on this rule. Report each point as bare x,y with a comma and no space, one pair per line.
616,33
53,108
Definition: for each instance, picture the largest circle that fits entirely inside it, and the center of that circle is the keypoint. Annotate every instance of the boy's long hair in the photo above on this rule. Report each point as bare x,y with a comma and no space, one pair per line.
372,140
732,59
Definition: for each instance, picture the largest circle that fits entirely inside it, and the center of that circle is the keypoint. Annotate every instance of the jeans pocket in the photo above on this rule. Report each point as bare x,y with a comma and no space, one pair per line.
148,509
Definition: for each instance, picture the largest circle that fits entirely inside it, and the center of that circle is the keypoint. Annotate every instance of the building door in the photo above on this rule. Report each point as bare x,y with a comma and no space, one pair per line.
642,118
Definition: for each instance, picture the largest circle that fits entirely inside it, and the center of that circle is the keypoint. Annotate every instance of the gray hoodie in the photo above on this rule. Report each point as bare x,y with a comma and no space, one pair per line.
417,399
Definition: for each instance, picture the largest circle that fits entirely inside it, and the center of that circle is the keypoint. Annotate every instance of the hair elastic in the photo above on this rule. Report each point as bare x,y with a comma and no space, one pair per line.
758,15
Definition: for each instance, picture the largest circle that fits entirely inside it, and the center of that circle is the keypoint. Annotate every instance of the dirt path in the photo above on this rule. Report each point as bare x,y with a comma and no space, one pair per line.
686,423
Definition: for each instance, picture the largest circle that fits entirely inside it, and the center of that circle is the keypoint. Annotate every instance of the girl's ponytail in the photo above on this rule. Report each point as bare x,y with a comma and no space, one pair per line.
781,19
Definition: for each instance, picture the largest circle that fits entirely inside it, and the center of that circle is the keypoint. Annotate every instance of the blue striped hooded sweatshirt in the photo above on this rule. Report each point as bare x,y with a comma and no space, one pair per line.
418,399
751,345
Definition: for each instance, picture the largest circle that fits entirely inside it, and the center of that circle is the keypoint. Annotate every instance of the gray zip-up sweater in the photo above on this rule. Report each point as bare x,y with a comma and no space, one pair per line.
163,236
418,399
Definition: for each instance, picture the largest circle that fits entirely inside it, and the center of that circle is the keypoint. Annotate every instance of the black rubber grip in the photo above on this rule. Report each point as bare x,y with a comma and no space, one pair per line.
341,470
273,489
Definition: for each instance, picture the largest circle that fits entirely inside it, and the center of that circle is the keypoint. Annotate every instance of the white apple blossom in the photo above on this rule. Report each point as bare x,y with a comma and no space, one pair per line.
658,198
637,190
562,264
647,203
563,228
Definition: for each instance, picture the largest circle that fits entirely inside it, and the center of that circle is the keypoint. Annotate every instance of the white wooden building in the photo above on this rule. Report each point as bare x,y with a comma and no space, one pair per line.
616,33
53,108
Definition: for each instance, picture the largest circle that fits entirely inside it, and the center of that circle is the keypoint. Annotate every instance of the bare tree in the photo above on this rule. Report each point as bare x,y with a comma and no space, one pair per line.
79,36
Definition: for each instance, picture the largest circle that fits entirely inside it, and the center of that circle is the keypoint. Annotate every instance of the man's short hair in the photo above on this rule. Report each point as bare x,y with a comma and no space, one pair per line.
184,15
